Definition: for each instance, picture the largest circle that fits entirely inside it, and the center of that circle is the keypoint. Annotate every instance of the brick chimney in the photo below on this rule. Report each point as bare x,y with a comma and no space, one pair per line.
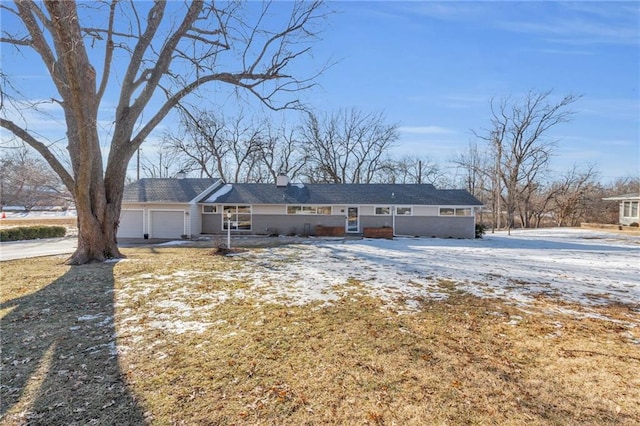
282,180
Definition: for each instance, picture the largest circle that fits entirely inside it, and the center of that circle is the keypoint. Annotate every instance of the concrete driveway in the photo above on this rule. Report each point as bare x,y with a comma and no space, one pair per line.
54,246
35,248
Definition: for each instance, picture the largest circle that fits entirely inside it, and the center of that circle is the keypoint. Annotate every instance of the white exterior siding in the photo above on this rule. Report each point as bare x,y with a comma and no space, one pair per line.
195,219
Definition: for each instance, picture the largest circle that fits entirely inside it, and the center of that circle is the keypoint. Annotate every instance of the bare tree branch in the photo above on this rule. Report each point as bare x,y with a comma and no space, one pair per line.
42,149
169,51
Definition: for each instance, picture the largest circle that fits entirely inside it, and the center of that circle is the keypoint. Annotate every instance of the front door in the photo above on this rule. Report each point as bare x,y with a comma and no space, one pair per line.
353,224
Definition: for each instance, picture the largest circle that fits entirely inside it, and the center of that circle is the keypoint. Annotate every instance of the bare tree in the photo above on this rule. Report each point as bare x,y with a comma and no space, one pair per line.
347,146
409,169
478,177
567,195
26,180
200,141
172,50
162,162
475,172
518,139
281,151
244,140
218,146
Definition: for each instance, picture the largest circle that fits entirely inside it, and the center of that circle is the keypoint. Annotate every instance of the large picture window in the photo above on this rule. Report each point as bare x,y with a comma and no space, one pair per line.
630,209
240,218
309,210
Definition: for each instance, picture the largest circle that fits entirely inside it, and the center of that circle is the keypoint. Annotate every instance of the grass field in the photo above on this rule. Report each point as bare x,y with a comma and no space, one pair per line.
69,222
162,338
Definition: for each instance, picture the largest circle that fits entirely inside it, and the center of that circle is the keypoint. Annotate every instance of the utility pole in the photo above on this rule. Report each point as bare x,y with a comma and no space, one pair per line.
498,180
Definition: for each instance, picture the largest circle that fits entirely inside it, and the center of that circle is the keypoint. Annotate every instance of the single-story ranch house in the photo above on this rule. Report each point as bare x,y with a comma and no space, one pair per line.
187,208
628,208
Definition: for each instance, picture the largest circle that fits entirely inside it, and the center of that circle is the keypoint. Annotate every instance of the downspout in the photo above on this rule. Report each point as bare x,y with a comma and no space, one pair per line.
393,220
393,215
473,212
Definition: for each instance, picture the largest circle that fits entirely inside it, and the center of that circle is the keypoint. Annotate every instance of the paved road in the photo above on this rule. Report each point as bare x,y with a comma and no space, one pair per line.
53,246
35,248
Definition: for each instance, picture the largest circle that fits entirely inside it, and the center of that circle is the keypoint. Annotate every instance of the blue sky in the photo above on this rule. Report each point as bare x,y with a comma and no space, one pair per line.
432,67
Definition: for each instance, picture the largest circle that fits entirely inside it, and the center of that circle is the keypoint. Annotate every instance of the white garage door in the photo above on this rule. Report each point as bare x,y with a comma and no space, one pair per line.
131,224
167,224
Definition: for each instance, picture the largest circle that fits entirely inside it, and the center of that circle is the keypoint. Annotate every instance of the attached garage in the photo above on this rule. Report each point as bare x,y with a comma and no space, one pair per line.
164,207
167,224
131,224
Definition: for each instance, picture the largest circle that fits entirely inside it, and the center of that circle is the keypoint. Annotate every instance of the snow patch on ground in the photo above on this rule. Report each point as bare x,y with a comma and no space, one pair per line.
585,267
574,265
174,243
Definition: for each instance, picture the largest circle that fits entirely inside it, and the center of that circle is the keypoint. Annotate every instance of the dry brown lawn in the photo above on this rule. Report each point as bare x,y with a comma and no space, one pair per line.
69,222
158,339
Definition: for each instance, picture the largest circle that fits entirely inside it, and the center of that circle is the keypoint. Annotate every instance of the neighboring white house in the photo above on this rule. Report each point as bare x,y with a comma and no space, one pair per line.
158,208
628,208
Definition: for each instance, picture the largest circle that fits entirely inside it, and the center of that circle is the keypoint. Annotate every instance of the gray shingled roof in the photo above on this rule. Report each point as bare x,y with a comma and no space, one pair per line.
326,194
170,190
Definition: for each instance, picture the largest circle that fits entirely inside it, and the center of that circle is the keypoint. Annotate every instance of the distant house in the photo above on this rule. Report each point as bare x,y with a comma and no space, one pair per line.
170,208
628,210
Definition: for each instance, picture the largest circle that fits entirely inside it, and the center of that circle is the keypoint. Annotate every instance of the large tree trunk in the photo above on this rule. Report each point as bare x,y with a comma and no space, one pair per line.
96,237
76,81
99,216
98,202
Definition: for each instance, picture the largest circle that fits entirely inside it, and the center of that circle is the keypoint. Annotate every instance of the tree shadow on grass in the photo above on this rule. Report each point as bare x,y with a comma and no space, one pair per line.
59,357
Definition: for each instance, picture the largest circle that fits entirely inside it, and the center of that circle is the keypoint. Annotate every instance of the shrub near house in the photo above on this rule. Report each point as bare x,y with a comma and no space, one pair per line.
32,233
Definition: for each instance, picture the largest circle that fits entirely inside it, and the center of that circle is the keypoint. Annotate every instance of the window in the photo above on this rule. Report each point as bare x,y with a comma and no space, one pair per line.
240,217
404,211
383,211
450,211
309,210
209,209
630,209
